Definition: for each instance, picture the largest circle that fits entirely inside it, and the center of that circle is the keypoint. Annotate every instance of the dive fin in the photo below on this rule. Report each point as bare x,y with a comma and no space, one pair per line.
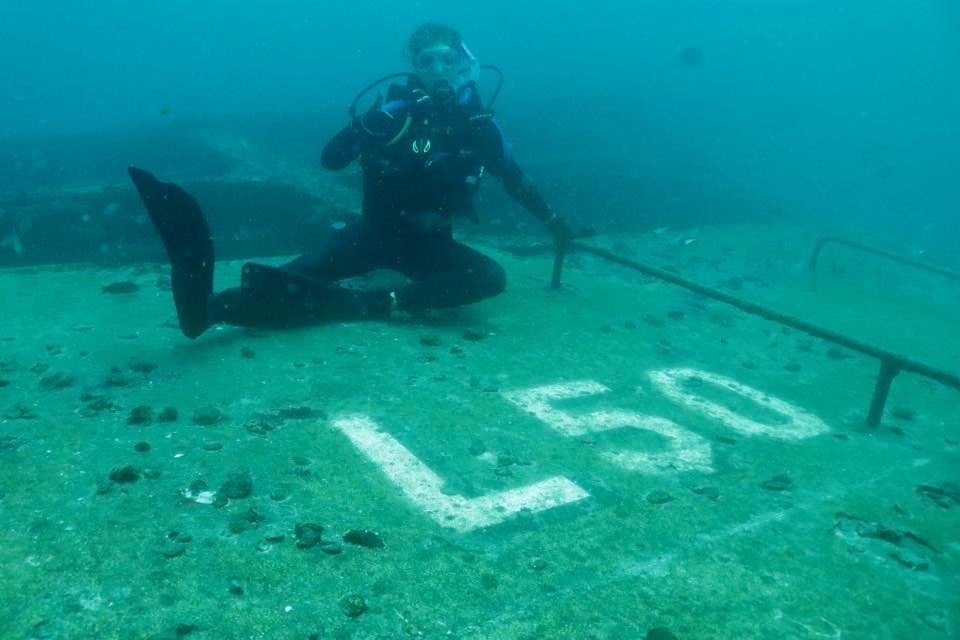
186,237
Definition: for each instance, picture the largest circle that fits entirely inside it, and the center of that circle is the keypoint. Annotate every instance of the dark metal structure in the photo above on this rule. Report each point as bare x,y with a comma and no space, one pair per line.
815,256
890,363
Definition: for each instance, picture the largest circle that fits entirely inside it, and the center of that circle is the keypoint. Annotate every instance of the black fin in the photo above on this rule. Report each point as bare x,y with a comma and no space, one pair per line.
185,235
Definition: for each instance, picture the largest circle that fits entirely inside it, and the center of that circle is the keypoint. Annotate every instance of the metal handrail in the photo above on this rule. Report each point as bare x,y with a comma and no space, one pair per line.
815,256
890,363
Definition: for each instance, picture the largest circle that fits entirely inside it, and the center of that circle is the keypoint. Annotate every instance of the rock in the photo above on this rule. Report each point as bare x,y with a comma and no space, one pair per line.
837,353
212,446
169,414
659,497
477,447
125,474
122,287
675,314
308,534
239,485
653,320
363,538
235,588
660,633
792,367
56,382
903,413
331,548
4,383
142,366
207,416
183,629
489,581
142,447
779,482
140,415
353,605
296,413
247,352
474,335
538,564
430,340
712,493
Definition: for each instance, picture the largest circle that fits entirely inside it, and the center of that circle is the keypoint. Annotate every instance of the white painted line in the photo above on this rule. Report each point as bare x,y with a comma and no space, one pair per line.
798,423
536,400
424,487
685,450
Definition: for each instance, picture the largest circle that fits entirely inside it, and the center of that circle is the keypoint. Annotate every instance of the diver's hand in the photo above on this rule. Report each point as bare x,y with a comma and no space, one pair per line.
380,125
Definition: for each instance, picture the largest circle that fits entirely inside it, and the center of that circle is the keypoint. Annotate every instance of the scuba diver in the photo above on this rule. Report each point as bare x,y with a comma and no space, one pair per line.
424,149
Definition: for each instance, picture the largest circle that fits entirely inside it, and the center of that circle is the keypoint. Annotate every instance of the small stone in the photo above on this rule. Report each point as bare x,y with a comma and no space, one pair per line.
140,415
308,534
122,287
4,383
430,340
150,473
183,629
56,382
169,414
456,350
538,564
331,548
660,633
675,314
247,352
713,493
279,495
659,497
477,447
779,482
363,538
653,320
474,335
207,416
903,413
837,353
142,447
353,605
297,413
141,366
212,446
235,589
239,485
792,367
125,474
301,461
489,581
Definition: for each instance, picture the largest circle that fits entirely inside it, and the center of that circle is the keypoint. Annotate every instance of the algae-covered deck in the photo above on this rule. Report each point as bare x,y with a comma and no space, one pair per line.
597,462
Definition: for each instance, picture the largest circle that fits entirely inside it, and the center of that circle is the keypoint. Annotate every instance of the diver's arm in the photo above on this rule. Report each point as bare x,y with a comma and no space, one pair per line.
522,189
342,149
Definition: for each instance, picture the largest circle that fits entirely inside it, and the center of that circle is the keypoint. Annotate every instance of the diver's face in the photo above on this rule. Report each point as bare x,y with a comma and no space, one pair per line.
438,65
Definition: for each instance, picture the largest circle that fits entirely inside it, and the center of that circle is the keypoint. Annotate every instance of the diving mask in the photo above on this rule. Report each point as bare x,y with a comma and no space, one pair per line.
442,64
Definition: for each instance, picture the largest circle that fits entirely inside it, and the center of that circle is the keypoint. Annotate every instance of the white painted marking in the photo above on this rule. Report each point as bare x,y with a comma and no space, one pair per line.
536,400
799,424
425,488
686,451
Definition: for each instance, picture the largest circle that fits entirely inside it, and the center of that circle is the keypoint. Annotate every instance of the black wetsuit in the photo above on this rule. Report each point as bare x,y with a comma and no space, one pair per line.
422,164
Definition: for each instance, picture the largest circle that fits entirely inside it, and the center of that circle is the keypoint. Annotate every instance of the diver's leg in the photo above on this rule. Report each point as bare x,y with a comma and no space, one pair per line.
185,235
448,274
304,291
